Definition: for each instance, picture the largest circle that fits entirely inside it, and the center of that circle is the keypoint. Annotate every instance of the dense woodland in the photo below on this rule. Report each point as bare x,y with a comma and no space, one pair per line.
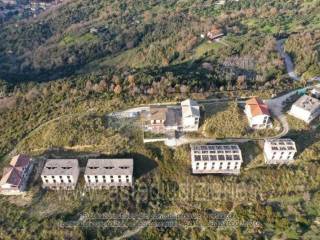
59,79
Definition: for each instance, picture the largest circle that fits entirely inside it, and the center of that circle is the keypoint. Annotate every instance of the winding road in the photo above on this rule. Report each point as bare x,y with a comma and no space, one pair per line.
287,59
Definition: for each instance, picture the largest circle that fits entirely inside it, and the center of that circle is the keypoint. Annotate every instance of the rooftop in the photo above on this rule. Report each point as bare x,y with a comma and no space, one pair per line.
120,166
190,108
307,103
158,112
257,107
281,144
216,152
13,173
61,167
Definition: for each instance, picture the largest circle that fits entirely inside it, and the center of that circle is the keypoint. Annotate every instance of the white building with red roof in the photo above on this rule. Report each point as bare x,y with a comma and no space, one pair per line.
15,176
258,114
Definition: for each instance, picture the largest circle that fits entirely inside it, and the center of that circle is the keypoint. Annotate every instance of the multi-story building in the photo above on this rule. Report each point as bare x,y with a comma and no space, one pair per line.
257,113
306,108
15,176
164,119
190,115
207,159
279,151
104,173
60,174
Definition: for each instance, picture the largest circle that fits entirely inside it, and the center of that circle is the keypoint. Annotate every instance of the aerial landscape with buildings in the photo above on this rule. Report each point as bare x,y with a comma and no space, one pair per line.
160,119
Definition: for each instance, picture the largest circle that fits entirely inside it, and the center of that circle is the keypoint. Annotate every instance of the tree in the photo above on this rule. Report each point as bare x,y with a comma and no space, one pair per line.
117,89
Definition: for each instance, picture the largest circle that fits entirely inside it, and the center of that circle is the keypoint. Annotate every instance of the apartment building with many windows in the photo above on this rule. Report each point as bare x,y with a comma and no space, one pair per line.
104,173
208,159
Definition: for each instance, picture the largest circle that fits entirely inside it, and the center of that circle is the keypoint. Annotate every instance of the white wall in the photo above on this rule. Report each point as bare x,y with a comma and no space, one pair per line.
58,180
199,166
301,114
190,123
278,156
108,179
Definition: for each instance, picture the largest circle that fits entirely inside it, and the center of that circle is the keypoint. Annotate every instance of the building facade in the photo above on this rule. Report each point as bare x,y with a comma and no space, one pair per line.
60,174
190,115
306,108
104,173
258,114
15,176
164,119
279,151
207,159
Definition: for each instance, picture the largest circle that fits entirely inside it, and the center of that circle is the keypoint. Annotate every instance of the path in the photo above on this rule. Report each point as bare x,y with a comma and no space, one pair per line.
130,233
39,127
287,60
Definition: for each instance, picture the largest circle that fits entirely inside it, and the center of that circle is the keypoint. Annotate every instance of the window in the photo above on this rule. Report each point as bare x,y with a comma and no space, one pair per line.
212,166
46,180
61,180
60,177
127,180
220,167
205,157
54,181
108,167
68,176
112,180
205,165
69,180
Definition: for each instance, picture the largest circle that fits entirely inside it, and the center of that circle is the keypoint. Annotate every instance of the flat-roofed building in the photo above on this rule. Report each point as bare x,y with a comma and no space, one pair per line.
15,176
279,151
306,108
103,173
208,159
60,174
190,115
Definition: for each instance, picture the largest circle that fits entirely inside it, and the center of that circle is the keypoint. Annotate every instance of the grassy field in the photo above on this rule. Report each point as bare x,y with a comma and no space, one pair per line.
223,120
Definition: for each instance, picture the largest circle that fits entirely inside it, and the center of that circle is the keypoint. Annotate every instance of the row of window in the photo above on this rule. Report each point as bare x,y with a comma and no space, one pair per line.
104,179
206,166
216,157
289,153
55,181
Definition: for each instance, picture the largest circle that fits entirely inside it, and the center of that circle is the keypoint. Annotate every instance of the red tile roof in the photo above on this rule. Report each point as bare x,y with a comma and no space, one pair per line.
257,107
13,173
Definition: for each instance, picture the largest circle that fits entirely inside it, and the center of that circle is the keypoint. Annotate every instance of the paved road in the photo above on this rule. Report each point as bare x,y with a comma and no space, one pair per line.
287,60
